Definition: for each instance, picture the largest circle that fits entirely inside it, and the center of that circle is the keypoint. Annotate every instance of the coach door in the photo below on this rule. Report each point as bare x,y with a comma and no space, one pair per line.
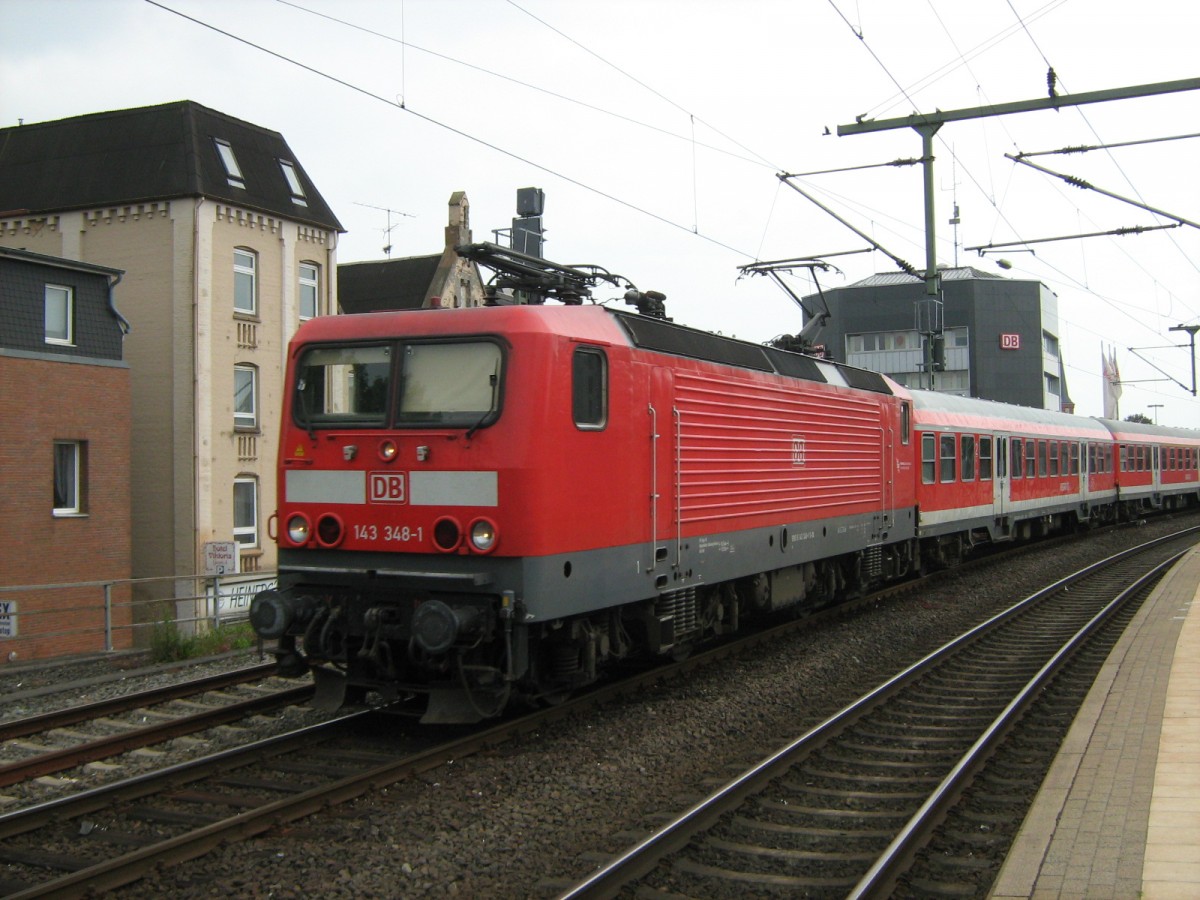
1000,481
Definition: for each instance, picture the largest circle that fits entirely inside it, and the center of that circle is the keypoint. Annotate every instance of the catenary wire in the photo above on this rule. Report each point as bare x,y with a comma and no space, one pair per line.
457,131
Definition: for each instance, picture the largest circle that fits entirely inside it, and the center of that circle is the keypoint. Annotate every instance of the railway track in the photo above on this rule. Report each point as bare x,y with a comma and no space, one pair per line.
844,810
112,835
101,730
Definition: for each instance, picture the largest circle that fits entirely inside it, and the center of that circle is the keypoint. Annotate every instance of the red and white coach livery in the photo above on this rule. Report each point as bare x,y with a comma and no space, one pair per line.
992,471
1156,466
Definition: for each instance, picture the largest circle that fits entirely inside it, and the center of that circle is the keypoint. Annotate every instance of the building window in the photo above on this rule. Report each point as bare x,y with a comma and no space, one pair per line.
245,282
233,172
69,477
60,315
293,180
310,290
1052,384
947,462
245,511
245,397
1050,344
589,392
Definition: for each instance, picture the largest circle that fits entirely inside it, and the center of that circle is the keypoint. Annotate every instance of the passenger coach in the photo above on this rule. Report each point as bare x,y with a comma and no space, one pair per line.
995,472
1156,465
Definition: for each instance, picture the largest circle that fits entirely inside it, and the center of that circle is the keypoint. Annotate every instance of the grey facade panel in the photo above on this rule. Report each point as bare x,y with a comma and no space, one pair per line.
988,306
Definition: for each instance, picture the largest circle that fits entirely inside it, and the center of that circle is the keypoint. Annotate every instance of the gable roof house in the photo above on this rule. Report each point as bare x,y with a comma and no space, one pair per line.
227,245
441,280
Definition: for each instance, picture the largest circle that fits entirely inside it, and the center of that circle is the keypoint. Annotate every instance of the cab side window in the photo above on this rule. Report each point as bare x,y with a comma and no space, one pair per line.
589,388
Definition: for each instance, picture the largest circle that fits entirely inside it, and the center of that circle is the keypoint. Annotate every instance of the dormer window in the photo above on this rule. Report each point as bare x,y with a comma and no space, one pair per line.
293,180
232,170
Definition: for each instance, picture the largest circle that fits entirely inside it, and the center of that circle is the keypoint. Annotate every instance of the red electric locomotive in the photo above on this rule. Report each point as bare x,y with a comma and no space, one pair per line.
482,504
479,504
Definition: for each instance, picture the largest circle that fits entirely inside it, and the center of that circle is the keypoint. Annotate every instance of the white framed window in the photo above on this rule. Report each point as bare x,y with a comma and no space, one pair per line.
233,172
245,511
245,281
69,470
310,290
245,397
60,315
293,180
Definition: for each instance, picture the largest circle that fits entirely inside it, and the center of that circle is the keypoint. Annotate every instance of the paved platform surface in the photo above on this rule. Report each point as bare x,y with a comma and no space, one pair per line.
1119,813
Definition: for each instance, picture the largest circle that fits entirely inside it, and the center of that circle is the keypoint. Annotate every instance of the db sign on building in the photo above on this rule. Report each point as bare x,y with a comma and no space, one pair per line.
1010,342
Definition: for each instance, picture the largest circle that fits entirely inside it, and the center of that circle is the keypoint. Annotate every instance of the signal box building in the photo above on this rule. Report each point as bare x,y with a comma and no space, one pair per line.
227,245
1001,335
65,415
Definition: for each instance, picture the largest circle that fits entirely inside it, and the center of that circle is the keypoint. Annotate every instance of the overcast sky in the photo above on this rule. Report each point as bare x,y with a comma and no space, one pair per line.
657,130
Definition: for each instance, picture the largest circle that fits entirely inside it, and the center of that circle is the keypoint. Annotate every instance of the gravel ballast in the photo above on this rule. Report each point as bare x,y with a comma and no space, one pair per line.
534,815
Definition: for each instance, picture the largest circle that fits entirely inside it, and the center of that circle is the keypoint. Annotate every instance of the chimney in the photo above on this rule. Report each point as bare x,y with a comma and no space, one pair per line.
458,231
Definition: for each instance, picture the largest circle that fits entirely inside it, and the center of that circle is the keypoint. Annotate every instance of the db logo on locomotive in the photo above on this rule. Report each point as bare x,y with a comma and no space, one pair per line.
387,487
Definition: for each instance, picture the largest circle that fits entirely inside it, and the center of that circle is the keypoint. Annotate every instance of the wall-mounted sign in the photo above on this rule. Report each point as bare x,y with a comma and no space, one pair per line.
8,618
1010,342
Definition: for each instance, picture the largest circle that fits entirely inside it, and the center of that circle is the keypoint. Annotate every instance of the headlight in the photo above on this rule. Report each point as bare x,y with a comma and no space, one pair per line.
298,530
483,535
447,534
388,450
330,530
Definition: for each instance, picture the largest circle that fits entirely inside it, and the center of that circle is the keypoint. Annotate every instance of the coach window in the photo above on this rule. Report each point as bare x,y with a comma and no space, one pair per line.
1031,448
947,460
1108,458
1053,459
985,457
589,388
1017,458
968,457
1074,450
905,421
928,451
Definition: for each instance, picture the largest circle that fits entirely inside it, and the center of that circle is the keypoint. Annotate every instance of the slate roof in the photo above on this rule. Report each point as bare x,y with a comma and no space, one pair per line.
149,154
386,284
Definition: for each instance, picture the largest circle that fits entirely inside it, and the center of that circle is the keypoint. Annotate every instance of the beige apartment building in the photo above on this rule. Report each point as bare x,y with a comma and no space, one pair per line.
226,246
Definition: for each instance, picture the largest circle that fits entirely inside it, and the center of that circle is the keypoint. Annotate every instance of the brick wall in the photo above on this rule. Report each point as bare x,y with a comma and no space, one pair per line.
41,401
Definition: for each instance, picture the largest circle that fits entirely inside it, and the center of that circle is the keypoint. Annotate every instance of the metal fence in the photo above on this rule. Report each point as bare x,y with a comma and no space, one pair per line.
112,614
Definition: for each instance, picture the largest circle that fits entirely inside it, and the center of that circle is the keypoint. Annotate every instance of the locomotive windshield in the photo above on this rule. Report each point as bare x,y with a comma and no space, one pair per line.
409,384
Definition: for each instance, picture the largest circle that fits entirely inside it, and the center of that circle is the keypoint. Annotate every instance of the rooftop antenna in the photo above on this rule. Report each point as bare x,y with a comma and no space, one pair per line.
387,232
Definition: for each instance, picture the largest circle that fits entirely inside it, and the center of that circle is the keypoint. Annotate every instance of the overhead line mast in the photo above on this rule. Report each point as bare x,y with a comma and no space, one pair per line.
927,125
